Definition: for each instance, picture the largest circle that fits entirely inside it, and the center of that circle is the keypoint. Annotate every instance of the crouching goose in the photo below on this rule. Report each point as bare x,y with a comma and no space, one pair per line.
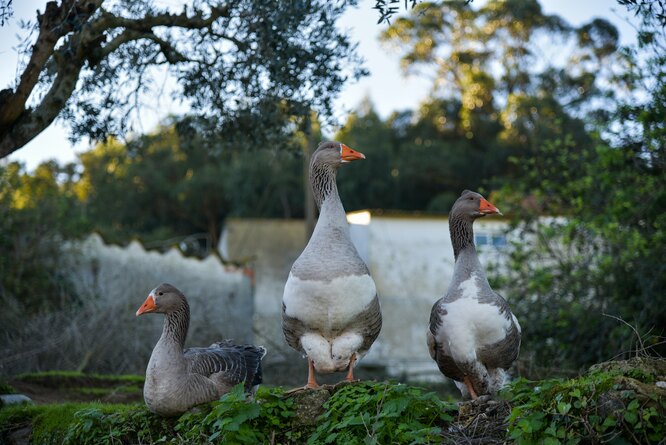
177,380
330,309
473,336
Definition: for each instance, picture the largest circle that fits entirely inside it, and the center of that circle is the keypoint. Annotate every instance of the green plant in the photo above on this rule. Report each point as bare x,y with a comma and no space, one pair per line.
234,419
6,388
378,413
594,408
115,424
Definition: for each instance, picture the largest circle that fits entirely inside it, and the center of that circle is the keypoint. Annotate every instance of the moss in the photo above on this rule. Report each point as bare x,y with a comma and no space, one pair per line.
12,417
6,388
643,369
50,425
78,376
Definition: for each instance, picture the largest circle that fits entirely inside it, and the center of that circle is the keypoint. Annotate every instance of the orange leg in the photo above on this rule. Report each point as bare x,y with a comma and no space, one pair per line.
350,373
312,382
470,388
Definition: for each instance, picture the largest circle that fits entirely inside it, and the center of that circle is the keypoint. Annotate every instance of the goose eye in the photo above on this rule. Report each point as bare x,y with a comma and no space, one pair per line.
160,293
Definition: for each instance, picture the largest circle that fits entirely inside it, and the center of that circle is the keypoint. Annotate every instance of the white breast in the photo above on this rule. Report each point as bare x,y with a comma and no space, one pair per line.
328,305
469,325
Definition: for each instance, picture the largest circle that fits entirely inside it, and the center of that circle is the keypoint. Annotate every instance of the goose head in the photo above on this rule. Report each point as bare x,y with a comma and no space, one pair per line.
471,205
334,154
164,299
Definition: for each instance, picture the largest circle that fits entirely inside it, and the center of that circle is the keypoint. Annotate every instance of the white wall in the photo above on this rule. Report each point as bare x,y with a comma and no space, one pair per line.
411,261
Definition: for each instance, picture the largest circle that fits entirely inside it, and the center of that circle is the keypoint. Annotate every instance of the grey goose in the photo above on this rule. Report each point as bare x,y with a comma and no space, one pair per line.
178,379
330,309
473,336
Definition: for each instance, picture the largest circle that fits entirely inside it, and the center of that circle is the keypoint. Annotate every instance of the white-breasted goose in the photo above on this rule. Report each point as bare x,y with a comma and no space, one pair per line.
473,336
330,309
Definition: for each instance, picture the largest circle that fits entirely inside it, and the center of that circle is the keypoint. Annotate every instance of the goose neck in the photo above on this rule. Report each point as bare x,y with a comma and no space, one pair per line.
462,234
322,179
176,324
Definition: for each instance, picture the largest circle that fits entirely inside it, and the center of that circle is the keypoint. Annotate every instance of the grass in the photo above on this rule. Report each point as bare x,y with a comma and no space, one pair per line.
101,392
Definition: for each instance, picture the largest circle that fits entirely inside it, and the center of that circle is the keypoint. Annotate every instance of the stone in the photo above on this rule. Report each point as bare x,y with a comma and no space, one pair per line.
14,399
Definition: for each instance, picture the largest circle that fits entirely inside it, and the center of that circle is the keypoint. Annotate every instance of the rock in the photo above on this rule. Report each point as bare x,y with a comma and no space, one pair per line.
645,369
310,402
14,399
640,375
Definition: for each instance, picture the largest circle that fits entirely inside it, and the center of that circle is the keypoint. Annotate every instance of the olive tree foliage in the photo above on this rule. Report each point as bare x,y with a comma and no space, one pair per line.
245,65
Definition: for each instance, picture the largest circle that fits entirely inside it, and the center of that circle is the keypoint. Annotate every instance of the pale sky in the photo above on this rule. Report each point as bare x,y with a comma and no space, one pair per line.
386,86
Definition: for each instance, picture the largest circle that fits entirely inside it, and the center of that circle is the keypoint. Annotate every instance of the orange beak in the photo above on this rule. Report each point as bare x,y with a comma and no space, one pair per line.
349,154
147,306
487,208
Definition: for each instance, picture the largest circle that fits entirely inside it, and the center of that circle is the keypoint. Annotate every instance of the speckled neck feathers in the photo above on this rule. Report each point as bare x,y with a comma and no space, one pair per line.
322,179
462,233
176,324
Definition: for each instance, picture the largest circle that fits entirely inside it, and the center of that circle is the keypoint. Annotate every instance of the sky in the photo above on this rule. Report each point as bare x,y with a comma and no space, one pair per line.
387,87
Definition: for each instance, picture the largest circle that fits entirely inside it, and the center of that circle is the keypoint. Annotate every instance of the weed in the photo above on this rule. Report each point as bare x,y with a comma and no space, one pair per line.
233,419
378,413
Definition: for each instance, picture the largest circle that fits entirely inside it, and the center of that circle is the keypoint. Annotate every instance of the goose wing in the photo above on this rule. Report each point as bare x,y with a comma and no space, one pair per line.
228,362
368,323
293,329
445,363
504,352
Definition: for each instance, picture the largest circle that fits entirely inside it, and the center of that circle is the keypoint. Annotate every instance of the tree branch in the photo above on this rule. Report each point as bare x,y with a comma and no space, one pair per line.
19,125
55,22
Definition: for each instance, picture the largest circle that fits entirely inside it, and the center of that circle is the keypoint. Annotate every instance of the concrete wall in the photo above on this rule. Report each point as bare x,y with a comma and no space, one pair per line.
269,247
102,334
220,297
410,258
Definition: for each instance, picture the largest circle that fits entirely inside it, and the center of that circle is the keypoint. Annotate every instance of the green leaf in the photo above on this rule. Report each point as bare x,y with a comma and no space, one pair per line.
563,408
631,417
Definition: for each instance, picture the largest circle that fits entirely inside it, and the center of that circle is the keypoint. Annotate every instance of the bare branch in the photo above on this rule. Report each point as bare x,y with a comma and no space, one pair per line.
108,20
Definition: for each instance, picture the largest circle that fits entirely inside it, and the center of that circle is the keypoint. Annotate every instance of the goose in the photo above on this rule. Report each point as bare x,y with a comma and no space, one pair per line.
330,308
177,380
473,336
